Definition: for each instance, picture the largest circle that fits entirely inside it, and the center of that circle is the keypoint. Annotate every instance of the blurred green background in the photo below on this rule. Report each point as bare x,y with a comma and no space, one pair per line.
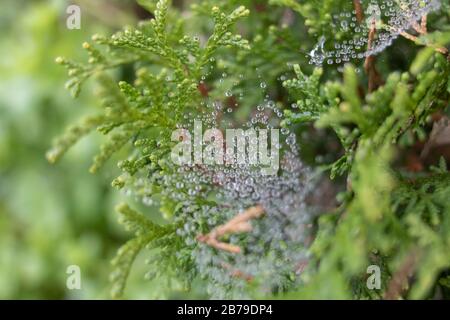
54,216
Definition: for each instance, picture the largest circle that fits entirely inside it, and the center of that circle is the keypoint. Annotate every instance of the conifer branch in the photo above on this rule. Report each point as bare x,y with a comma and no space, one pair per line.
178,78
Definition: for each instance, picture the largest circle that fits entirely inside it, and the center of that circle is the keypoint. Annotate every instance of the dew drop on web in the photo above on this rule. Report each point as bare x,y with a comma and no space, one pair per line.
237,187
389,17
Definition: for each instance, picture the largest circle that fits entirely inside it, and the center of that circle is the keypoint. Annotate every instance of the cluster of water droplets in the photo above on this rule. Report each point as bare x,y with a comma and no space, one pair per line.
389,17
277,245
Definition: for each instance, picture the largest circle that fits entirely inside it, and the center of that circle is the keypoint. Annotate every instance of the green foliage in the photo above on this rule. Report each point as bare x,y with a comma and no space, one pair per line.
386,216
149,108
146,235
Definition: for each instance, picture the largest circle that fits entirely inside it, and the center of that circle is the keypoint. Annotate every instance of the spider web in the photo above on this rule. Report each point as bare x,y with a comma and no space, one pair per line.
389,17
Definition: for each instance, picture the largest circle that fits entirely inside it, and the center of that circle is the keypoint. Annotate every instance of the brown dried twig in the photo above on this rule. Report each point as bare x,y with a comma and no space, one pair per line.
373,75
238,224
423,24
236,273
415,39
400,279
422,30
359,11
